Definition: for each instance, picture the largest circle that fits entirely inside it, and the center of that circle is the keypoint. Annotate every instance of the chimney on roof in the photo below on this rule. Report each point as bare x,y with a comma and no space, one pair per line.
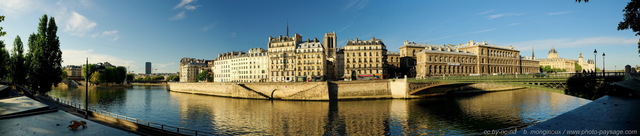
406,42
373,38
484,43
470,42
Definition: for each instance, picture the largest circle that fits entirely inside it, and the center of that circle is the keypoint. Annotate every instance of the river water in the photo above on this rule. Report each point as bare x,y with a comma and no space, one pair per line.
448,115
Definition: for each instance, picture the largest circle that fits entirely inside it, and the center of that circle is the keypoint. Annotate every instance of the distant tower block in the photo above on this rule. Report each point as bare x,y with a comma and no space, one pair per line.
147,68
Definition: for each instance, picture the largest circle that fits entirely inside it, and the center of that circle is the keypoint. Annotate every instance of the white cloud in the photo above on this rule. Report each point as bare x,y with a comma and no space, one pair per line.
514,24
486,12
113,34
191,7
559,13
17,7
78,57
494,16
183,3
357,4
568,43
79,25
178,16
208,27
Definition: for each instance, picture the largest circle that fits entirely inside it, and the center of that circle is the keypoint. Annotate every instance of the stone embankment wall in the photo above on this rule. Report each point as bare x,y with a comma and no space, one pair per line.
299,90
332,90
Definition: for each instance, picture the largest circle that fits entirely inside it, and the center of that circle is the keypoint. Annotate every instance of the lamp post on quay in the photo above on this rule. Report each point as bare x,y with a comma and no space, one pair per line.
602,63
595,61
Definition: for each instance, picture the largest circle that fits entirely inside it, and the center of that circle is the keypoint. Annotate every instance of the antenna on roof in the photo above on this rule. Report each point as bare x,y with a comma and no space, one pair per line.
287,28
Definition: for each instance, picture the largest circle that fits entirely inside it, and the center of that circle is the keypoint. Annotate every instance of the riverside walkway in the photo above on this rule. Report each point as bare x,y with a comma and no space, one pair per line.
608,115
24,116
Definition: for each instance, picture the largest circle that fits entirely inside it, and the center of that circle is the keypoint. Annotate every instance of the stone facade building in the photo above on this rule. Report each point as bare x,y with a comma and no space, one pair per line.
284,53
366,59
469,59
558,63
74,72
242,67
190,67
311,61
587,65
393,64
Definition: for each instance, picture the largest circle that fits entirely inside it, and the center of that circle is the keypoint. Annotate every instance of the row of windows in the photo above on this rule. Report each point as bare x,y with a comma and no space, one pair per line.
363,66
360,60
438,58
364,72
363,54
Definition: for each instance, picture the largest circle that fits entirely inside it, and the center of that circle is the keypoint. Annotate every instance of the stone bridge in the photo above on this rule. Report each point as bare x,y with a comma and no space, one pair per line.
444,85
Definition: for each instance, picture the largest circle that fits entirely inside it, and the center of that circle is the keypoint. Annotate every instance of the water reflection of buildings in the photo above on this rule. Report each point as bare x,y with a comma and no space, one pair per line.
440,115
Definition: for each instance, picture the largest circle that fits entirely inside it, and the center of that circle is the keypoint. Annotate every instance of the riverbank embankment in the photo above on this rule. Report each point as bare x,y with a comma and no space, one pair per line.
329,90
608,115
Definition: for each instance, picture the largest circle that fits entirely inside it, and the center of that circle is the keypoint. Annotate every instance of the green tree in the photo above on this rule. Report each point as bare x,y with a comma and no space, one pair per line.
64,75
631,18
121,74
578,67
96,78
174,78
18,67
44,56
130,77
92,68
4,55
202,76
157,78
109,74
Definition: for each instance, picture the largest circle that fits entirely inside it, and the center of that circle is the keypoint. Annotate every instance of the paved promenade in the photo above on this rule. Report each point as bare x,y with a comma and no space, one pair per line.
22,116
610,115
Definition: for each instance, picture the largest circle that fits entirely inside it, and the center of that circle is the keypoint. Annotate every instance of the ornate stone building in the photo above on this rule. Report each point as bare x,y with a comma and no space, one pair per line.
365,59
469,59
241,66
587,65
558,63
311,61
283,56
190,67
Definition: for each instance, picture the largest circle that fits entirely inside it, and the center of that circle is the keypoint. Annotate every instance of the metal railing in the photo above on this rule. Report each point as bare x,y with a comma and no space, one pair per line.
179,130
523,76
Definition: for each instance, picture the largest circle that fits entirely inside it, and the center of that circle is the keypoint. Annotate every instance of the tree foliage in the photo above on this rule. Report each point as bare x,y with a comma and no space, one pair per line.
578,67
18,67
121,74
202,76
173,78
44,56
88,71
548,68
96,78
4,55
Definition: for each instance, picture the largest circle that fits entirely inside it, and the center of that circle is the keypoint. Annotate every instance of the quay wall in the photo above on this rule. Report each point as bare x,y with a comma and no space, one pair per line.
330,90
371,89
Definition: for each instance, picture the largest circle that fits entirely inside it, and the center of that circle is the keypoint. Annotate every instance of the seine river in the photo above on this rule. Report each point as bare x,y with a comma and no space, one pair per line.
448,115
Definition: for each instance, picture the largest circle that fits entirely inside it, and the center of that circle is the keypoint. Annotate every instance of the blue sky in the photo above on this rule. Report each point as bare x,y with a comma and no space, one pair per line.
130,33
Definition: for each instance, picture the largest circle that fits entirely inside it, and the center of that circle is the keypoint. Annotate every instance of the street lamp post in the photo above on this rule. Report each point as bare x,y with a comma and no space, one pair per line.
602,63
86,91
595,61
